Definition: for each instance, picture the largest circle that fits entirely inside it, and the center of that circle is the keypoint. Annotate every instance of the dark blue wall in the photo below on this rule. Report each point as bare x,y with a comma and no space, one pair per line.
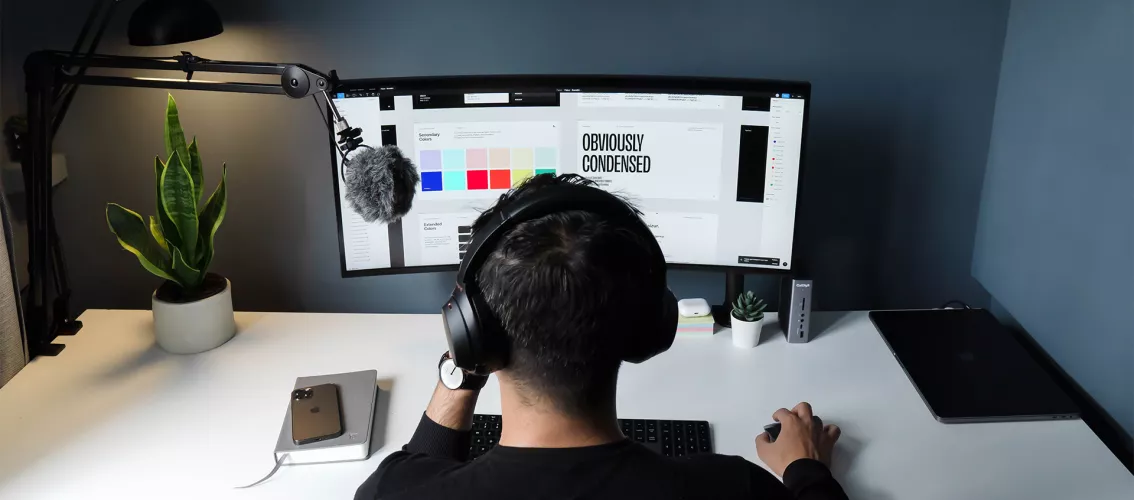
903,100
1055,244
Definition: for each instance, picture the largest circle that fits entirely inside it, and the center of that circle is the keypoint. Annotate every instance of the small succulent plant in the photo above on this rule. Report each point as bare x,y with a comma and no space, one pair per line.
748,307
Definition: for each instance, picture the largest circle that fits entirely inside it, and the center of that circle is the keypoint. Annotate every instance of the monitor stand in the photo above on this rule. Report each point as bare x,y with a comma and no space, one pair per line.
734,282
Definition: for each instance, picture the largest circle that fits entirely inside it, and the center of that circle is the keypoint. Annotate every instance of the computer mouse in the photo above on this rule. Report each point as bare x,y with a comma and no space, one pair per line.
773,429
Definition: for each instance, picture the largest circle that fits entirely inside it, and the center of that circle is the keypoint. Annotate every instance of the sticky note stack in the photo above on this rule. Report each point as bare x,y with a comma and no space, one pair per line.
698,326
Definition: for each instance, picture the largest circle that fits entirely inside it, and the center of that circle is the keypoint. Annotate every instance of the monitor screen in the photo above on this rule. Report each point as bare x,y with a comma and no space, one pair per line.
713,164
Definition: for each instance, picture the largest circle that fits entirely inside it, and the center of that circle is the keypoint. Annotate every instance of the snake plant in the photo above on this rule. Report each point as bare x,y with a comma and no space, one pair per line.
176,244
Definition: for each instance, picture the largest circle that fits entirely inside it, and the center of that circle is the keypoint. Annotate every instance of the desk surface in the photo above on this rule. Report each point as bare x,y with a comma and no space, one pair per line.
115,414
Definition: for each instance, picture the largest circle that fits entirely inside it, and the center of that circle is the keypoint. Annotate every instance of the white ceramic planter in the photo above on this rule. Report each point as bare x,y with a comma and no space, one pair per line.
194,327
746,334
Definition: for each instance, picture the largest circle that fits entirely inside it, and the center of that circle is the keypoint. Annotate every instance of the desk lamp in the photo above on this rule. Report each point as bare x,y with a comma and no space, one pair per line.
53,78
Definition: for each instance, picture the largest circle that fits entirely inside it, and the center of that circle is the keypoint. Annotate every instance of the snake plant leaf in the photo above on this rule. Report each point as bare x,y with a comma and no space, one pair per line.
168,229
210,220
131,231
174,135
155,229
196,171
186,276
177,200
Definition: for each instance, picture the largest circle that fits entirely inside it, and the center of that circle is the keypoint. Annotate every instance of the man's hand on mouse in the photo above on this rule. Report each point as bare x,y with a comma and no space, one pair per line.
798,439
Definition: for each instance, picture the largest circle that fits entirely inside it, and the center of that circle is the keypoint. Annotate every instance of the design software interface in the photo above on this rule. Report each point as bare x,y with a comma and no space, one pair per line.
714,174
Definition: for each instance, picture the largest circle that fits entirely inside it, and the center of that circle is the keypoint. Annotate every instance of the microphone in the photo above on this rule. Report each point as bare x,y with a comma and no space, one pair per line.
380,183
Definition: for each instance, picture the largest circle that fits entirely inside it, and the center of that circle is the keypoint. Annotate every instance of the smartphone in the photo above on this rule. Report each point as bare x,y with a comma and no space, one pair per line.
315,414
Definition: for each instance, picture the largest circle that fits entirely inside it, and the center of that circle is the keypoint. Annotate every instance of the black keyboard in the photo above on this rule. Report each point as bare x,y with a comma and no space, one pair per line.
672,438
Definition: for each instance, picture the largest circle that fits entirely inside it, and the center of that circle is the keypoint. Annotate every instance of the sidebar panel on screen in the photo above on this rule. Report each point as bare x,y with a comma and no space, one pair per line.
364,245
753,157
397,249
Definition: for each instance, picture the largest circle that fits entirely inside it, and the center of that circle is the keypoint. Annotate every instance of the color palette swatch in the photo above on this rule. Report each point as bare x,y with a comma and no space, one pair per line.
483,168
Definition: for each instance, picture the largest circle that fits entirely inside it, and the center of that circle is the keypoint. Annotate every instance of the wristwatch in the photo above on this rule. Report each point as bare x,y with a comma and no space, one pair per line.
454,378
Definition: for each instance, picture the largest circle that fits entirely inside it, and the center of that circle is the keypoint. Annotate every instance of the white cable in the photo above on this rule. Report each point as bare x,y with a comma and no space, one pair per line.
270,474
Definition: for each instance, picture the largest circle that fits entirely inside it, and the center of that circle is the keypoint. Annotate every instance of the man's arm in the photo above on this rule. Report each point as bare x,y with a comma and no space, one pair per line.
444,431
804,479
800,455
809,479
440,442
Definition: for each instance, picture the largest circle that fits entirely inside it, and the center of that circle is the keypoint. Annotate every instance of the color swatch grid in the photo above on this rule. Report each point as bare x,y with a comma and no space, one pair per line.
478,169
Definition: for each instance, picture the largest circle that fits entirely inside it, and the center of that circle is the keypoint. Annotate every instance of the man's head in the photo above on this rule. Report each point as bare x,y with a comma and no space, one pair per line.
570,290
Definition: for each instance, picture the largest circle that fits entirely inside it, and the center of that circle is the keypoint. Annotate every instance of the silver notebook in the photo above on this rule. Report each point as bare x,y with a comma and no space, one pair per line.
358,392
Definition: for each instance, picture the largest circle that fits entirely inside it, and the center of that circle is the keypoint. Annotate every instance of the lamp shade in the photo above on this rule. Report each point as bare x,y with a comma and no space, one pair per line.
164,22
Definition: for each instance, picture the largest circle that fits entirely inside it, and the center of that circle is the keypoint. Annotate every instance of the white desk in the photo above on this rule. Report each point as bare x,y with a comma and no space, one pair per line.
116,417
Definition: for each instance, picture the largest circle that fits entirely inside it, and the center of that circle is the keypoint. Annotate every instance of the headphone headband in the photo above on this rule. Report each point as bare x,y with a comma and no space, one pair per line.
549,200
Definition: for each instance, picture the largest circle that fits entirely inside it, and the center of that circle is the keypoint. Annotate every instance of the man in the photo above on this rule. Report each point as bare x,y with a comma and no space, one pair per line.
566,287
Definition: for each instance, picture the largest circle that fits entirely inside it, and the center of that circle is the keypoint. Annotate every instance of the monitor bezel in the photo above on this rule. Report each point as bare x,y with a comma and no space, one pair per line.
591,83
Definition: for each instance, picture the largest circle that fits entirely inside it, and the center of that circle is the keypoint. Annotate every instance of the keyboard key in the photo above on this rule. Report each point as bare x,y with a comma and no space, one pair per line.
481,449
690,428
491,441
478,418
704,447
496,426
667,450
679,450
478,440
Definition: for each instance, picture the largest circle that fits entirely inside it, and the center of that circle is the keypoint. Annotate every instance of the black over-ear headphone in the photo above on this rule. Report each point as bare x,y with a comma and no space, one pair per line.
477,341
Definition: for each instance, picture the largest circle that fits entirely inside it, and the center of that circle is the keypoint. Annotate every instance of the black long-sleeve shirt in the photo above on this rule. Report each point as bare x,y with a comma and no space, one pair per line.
433,466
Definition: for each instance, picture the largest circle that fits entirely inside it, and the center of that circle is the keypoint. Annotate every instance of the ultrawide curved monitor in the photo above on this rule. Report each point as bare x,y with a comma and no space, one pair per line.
713,164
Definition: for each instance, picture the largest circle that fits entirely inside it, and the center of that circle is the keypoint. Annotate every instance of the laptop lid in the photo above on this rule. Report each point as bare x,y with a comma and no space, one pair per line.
970,368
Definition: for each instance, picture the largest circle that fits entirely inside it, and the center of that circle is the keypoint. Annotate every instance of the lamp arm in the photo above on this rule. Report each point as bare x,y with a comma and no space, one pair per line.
46,74
296,80
66,93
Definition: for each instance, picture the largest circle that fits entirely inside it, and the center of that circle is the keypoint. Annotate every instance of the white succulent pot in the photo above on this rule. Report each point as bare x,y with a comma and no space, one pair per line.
746,334
193,327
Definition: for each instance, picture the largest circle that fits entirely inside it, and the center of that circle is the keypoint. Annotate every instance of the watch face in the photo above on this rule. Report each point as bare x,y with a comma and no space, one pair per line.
451,375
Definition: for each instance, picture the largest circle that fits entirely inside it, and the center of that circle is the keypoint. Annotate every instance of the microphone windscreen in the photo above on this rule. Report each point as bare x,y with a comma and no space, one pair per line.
380,183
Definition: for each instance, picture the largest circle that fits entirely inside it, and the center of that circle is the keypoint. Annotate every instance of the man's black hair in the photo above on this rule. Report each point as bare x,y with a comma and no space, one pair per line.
568,288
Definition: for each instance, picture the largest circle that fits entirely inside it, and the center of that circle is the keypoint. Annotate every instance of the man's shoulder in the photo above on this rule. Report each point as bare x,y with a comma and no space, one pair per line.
723,476
712,461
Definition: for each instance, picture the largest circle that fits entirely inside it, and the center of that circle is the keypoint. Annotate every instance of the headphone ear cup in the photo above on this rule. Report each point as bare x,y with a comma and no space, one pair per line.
461,329
668,327
659,337
491,341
